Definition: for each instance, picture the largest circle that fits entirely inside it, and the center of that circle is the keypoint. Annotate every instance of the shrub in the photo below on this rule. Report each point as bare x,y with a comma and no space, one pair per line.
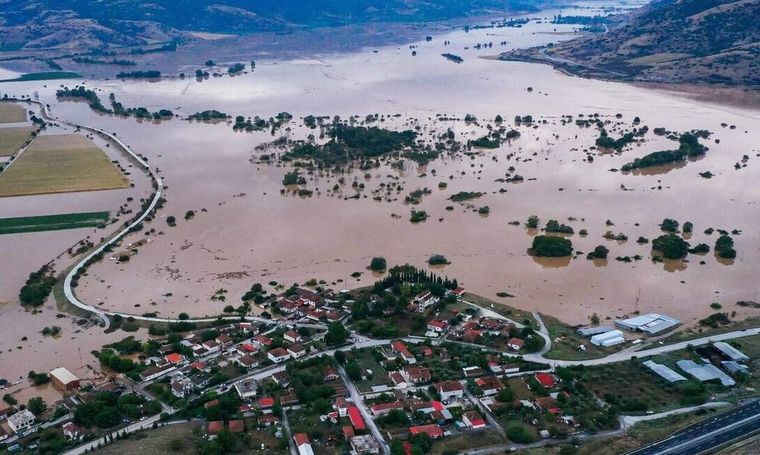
378,264
438,259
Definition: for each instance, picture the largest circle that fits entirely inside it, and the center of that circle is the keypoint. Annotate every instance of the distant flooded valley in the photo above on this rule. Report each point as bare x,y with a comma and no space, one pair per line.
247,227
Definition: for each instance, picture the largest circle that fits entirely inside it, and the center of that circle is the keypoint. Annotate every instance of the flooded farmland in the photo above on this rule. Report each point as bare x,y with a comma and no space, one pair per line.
244,230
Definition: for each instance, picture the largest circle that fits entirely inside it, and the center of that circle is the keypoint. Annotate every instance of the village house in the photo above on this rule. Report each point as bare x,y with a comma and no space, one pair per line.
297,350
364,444
398,380
302,444
472,372
449,390
473,420
181,386
490,385
246,389
174,358
278,355
214,428
236,426
224,340
434,431
515,344
281,378
71,431
341,405
292,336
416,375
546,380
262,340
21,421
472,336
330,374
407,356
384,408
246,361
424,300
152,373
211,346
437,325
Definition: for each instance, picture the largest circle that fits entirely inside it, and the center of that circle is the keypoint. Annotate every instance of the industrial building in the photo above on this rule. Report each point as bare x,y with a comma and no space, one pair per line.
611,338
705,372
64,380
664,372
651,324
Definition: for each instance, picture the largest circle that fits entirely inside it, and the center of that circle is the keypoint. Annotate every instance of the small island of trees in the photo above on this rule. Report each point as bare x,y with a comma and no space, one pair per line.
689,148
551,246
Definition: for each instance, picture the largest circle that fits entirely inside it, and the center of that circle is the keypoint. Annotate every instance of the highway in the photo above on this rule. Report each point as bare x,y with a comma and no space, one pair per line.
708,434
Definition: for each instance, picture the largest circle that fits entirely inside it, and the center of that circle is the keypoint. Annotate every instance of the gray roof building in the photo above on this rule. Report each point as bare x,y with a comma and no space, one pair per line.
652,323
730,351
664,372
705,372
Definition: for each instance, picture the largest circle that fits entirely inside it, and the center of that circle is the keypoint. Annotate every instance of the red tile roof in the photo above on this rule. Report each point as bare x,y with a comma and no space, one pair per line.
398,345
383,406
434,431
475,419
174,358
545,379
356,418
236,426
266,402
215,427
301,439
437,323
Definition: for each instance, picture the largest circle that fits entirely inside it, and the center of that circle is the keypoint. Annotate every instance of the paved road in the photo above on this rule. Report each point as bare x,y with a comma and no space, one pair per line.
484,410
709,433
629,421
137,426
356,397
574,63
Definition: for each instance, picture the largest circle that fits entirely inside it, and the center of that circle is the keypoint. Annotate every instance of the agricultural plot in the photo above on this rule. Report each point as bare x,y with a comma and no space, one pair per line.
11,139
52,222
60,164
12,113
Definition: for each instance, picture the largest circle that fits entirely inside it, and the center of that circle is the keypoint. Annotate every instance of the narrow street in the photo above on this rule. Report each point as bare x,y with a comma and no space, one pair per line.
356,397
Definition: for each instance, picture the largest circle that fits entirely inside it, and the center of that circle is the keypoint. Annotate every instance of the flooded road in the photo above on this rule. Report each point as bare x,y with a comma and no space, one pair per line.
245,231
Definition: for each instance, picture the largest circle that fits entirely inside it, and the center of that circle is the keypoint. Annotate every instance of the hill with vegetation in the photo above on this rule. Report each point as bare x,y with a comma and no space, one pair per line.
86,24
681,41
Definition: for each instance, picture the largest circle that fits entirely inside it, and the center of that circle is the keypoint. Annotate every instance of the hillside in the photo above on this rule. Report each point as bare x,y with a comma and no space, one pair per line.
673,41
81,25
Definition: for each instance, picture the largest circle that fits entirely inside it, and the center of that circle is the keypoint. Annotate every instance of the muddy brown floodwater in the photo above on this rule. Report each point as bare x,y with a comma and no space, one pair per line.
245,231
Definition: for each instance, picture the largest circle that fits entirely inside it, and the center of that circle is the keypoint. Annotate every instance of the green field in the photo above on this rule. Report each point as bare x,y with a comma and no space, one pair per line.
44,76
52,222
